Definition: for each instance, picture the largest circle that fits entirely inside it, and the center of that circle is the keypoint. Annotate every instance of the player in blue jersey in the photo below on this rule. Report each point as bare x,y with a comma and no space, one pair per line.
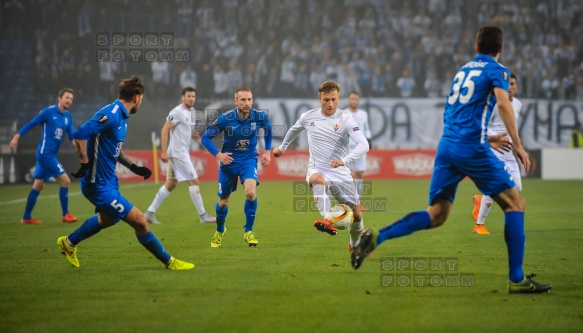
464,151
238,160
98,143
55,122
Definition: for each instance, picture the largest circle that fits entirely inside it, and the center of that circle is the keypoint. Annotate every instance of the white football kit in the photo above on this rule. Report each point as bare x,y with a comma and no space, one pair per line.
180,167
328,139
361,119
495,127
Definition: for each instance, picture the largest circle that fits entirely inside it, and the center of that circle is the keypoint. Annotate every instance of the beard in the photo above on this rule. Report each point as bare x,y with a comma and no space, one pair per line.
134,109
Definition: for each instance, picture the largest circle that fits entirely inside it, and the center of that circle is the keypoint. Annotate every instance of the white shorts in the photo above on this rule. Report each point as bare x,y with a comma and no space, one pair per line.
180,168
514,170
359,164
340,185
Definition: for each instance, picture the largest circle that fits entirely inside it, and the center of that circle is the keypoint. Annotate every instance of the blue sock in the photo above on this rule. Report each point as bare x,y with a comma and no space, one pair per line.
86,230
412,222
64,196
221,217
515,240
30,202
152,244
250,209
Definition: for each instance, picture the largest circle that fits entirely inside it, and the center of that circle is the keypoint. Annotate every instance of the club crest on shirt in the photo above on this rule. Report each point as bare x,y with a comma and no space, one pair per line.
336,127
58,133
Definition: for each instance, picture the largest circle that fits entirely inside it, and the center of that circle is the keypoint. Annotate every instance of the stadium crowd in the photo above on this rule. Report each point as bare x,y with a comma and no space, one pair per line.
286,48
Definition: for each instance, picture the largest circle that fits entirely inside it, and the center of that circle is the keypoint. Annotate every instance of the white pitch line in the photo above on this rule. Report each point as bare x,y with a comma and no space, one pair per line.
52,196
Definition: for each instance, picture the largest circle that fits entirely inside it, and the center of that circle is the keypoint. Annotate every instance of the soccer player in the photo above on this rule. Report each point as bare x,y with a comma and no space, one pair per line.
98,144
463,151
180,124
361,119
238,160
55,122
501,146
329,131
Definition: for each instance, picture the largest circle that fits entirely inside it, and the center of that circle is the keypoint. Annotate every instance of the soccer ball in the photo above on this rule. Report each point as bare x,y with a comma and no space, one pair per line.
340,216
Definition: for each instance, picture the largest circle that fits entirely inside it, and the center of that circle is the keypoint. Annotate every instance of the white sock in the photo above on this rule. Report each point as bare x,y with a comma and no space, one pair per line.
358,183
355,231
162,194
321,198
196,198
484,209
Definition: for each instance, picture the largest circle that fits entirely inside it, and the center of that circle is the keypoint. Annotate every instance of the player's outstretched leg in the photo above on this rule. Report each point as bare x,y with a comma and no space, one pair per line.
367,244
69,250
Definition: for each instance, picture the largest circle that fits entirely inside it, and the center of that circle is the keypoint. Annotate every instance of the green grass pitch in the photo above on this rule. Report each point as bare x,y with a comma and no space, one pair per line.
297,279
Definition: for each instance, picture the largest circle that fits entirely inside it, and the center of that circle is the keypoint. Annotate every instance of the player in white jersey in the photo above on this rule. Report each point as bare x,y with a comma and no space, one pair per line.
501,145
180,125
329,131
361,119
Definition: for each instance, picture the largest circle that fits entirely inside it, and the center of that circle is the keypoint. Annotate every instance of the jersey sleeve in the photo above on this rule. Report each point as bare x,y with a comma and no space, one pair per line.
70,128
39,119
174,118
358,137
293,132
500,77
100,122
213,130
366,127
267,131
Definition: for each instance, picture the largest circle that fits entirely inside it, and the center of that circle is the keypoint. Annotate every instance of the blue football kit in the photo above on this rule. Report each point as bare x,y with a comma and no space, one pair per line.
463,149
240,139
54,124
105,133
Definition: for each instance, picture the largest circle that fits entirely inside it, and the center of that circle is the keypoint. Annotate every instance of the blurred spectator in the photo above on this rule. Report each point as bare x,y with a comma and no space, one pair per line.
406,84
188,78
220,81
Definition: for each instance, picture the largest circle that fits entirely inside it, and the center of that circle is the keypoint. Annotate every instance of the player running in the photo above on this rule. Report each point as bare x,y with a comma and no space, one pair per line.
238,157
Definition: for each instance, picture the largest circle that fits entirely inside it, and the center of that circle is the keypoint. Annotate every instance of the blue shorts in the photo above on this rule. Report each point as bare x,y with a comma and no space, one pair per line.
230,174
108,201
455,161
47,167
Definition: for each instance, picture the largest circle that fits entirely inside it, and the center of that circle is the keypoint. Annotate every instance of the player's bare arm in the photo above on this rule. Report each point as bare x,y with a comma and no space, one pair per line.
14,141
164,140
266,158
277,152
500,142
224,158
196,136
507,114
336,163
81,150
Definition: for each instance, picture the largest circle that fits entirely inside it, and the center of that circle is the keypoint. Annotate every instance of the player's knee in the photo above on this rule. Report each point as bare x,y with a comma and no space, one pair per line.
250,194
170,186
38,186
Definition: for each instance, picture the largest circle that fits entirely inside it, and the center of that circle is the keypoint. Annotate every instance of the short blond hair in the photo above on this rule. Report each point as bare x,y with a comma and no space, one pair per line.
243,89
328,86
